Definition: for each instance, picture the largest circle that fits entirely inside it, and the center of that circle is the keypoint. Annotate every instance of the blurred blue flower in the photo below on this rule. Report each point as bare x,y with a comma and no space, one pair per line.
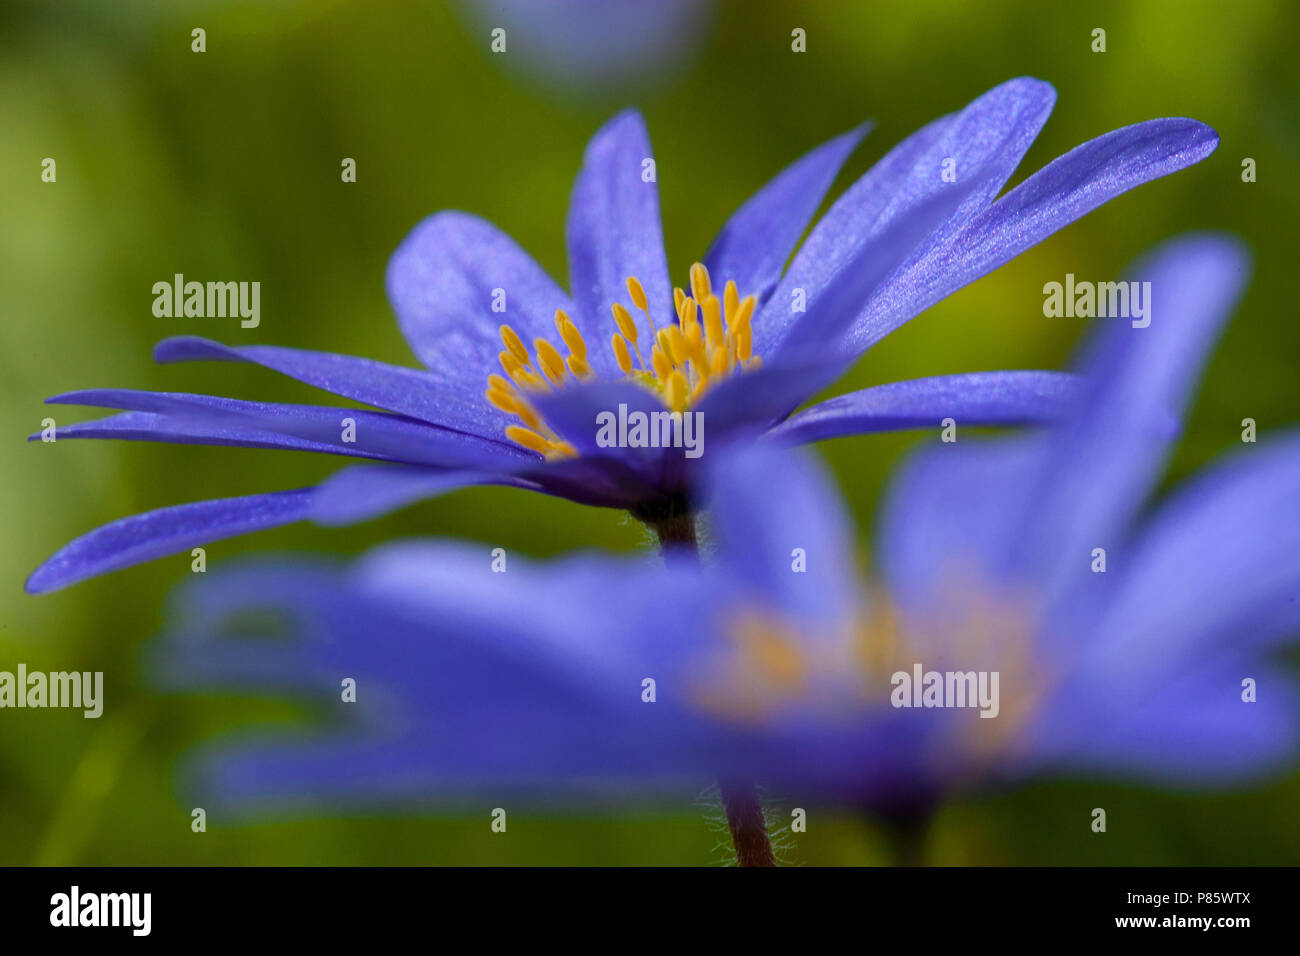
595,48
534,682
899,240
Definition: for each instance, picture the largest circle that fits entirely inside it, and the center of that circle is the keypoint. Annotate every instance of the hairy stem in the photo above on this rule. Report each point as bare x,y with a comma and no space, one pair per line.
739,800
748,828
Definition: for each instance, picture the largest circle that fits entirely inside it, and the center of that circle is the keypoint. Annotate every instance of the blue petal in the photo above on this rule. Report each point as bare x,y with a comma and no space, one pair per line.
1217,567
986,140
207,419
951,514
146,426
1066,189
763,504
363,492
153,534
1100,467
977,398
809,359
613,232
402,390
521,662
868,270
1187,727
755,244
441,282
575,414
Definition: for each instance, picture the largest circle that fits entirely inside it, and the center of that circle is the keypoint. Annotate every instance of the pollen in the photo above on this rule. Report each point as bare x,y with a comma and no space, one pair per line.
702,343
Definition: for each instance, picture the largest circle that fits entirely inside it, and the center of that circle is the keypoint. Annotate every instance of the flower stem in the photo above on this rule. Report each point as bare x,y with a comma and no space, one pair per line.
907,832
748,828
740,801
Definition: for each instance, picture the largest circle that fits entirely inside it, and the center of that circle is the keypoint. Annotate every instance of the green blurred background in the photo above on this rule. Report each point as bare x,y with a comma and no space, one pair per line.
225,165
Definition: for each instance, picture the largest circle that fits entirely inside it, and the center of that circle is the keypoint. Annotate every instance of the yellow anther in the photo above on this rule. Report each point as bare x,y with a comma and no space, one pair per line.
637,293
694,340
710,339
659,362
551,360
500,384
569,332
674,345
501,400
686,312
661,338
623,319
700,285
528,438
510,363
675,391
713,321
579,367
621,353
515,344
514,405
718,362
744,312
529,380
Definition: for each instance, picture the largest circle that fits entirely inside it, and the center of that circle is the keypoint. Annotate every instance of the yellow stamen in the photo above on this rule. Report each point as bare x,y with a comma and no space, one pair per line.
579,367
694,343
712,321
623,319
744,312
709,340
551,360
686,314
515,344
700,285
637,293
528,438
514,405
569,332
675,392
621,353
718,362
530,381
510,363
663,368
744,343
674,345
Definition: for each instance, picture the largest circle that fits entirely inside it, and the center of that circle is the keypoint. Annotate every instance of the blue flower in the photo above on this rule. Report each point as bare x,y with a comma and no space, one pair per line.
595,48
594,677
507,405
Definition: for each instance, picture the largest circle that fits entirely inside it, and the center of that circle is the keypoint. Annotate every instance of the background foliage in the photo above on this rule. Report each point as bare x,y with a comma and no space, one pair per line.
226,165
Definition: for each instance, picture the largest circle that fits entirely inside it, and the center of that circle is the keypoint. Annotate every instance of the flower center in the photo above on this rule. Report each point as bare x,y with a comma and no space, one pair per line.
710,340
766,668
